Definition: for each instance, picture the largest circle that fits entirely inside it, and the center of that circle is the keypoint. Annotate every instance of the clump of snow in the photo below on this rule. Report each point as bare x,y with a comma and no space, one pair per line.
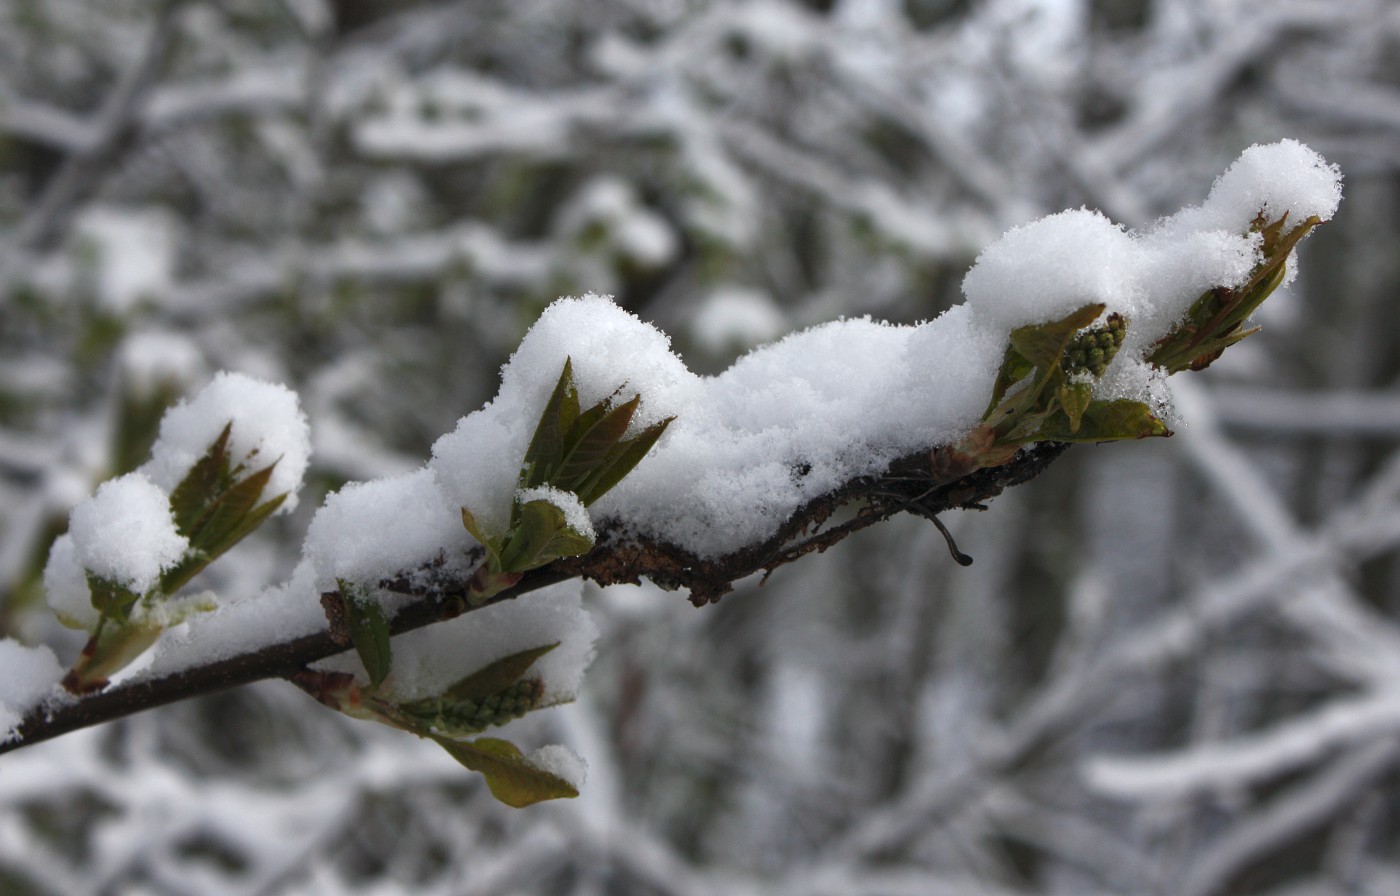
65,586
268,426
125,533
561,762
1046,269
575,514
612,354
236,627
793,420
370,531
1176,269
152,359
428,661
736,318
28,676
638,233
1273,179
135,253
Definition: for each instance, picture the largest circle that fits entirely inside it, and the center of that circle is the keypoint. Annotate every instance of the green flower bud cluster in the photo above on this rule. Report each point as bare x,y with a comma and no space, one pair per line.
1093,348
457,716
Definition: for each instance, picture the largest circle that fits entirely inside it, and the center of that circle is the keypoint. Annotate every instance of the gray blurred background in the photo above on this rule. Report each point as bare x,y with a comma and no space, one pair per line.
1174,668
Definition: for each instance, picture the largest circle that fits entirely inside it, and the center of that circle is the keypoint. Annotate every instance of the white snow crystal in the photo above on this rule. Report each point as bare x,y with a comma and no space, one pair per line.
1050,267
268,426
125,533
370,531
792,420
28,675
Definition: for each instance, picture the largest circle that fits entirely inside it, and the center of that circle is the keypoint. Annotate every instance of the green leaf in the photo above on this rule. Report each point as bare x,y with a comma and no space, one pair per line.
541,535
1014,368
1042,344
110,599
592,446
369,630
510,775
202,484
546,451
1107,421
232,516
107,652
1074,400
475,530
620,462
496,677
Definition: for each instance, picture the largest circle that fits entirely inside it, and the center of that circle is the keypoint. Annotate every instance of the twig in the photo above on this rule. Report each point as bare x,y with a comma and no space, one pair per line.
616,559
119,117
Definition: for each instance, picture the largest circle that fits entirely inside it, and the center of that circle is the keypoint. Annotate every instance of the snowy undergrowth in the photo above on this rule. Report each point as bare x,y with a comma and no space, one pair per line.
734,456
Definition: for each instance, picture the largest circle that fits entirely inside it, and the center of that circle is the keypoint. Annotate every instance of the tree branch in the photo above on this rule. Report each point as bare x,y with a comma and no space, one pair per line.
909,486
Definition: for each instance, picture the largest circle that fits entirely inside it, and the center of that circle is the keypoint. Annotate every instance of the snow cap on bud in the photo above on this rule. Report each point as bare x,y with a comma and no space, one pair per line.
267,426
125,533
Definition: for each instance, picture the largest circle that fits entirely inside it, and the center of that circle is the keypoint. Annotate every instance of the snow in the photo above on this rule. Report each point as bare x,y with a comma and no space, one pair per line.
1048,268
370,530
1044,270
66,587
135,253
610,350
794,419
561,762
125,533
268,426
784,425
232,628
1274,178
789,422
154,359
736,317
32,674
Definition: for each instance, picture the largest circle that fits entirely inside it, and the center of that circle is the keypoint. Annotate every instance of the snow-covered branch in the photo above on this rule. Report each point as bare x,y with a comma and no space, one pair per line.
637,468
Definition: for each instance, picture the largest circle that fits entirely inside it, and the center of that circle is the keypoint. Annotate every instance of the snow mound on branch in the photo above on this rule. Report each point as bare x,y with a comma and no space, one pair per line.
368,530
1044,270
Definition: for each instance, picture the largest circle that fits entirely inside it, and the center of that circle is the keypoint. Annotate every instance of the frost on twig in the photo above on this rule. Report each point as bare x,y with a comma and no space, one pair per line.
604,457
